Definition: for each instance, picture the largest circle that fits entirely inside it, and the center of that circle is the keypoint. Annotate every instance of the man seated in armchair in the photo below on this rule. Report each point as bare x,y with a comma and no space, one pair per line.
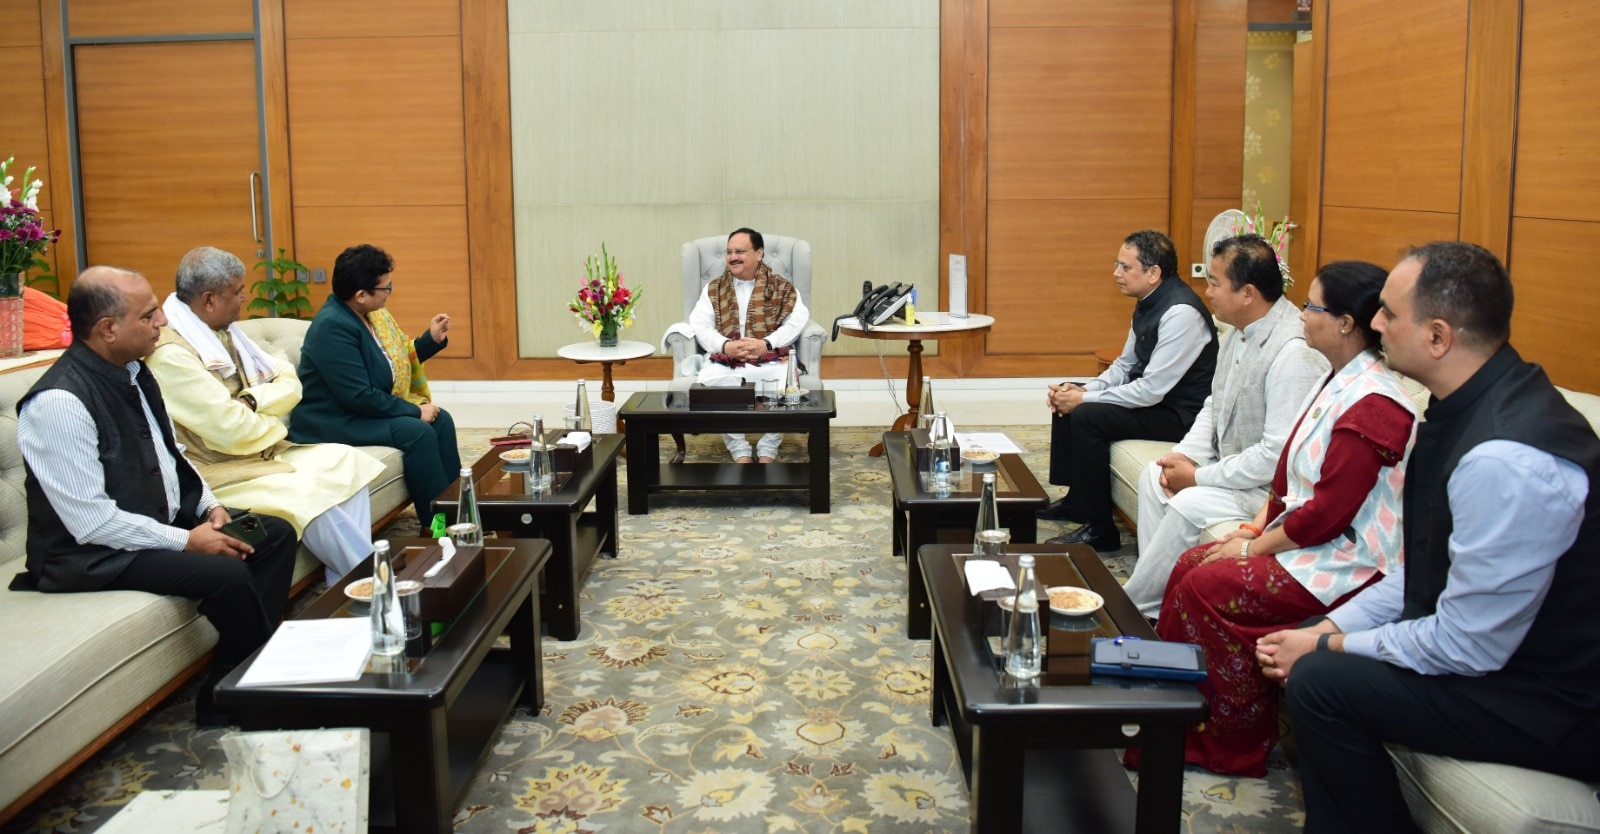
744,319
229,399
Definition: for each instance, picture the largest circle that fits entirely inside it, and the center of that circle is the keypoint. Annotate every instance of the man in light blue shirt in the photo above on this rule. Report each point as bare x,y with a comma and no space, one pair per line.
1486,644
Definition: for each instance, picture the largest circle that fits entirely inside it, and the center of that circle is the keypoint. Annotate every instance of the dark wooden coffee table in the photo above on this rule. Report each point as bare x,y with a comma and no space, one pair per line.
432,723
651,414
921,517
1037,758
577,534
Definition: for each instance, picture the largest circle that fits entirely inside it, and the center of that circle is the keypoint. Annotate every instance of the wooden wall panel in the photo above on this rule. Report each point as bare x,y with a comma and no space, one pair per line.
100,18
1551,324
1052,290
1070,116
21,24
22,103
1080,13
376,121
1489,143
1396,82
430,269
1219,105
1558,113
1379,235
370,18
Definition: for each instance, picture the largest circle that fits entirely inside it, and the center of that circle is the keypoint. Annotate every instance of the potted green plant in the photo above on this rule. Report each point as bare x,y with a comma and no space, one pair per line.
283,293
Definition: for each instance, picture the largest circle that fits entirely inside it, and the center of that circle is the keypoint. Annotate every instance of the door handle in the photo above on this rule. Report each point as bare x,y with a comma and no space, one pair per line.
255,224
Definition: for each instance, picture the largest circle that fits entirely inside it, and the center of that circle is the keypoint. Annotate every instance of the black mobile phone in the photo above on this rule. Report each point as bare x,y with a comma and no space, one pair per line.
246,527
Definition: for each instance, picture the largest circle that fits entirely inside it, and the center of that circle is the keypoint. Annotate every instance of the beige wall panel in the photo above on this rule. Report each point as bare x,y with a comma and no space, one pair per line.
95,18
855,118
431,270
1051,290
630,15
1268,123
1081,14
1219,110
645,239
376,122
22,102
370,18
1070,117
1549,316
667,132
792,119
1377,235
21,23
1558,143
1395,93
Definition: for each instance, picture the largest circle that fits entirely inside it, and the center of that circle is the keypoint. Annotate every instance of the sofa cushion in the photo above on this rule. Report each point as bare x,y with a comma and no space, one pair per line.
1461,796
57,646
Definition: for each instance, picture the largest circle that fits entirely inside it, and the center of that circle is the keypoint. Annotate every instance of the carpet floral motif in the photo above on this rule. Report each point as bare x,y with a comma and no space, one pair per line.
742,666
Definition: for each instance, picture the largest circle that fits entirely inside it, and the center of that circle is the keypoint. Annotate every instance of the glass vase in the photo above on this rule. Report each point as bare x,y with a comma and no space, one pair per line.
608,334
11,314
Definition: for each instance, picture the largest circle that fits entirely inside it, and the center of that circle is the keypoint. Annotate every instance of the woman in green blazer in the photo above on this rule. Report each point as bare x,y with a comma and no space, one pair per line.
362,381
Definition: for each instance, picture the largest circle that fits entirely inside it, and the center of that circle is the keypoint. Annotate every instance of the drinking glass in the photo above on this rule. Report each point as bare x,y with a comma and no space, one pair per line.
992,544
769,390
410,592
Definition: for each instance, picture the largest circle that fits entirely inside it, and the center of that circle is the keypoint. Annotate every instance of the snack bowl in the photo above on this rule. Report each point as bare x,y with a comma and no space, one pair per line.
361,589
516,457
1073,601
981,460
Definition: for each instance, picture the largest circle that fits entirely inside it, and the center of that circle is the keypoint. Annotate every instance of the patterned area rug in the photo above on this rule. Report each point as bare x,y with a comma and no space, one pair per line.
742,667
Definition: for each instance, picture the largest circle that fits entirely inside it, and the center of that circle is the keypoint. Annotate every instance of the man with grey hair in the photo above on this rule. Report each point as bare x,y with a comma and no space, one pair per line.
113,505
230,401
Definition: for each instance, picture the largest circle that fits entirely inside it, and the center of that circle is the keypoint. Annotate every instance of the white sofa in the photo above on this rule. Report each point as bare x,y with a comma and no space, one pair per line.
1447,796
80,668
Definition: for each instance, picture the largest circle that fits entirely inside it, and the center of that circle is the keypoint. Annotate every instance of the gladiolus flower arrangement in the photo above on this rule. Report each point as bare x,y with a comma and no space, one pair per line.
603,304
1277,237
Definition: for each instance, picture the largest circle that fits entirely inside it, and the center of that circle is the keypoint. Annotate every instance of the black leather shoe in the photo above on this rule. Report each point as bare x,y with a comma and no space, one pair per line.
1092,535
207,712
1056,511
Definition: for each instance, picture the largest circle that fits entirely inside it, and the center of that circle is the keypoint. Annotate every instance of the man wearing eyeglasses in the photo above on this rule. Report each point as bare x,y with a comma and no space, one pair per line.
1152,391
743,318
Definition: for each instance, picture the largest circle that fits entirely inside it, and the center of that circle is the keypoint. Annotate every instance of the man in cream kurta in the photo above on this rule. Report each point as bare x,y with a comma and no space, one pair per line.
229,401
742,317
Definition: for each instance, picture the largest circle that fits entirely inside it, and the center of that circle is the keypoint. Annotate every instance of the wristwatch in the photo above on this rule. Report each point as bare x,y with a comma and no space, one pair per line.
768,343
248,400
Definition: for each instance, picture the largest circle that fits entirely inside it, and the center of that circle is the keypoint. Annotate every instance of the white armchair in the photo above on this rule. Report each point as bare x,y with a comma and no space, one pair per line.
702,261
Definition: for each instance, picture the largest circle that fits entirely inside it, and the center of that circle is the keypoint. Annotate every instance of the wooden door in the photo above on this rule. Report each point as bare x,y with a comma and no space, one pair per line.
168,138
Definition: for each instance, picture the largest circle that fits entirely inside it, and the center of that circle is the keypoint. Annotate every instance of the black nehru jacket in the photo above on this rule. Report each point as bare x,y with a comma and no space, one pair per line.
56,561
1191,391
1509,399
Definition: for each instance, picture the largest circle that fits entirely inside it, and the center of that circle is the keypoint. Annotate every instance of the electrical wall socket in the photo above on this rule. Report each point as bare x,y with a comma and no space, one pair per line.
1197,270
319,276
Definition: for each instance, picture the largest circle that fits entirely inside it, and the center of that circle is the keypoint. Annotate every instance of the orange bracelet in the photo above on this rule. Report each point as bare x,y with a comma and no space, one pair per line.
1251,527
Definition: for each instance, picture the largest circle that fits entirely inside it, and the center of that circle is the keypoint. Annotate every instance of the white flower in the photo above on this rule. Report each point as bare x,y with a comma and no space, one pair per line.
30,195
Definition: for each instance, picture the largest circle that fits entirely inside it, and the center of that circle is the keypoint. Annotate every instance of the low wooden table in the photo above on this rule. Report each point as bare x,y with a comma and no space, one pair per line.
577,534
434,721
1037,758
920,516
651,414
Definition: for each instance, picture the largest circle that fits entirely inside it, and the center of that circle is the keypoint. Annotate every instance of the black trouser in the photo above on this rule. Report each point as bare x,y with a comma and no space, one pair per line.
430,459
244,600
1080,450
1345,707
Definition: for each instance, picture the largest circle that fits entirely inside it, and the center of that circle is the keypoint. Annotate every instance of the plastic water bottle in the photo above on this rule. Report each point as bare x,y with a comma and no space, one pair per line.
925,404
1024,643
388,621
468,529
580,409
541,463
941,453
988,514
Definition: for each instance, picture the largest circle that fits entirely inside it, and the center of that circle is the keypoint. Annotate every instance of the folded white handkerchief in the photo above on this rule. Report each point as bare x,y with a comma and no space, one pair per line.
984,575
580,439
